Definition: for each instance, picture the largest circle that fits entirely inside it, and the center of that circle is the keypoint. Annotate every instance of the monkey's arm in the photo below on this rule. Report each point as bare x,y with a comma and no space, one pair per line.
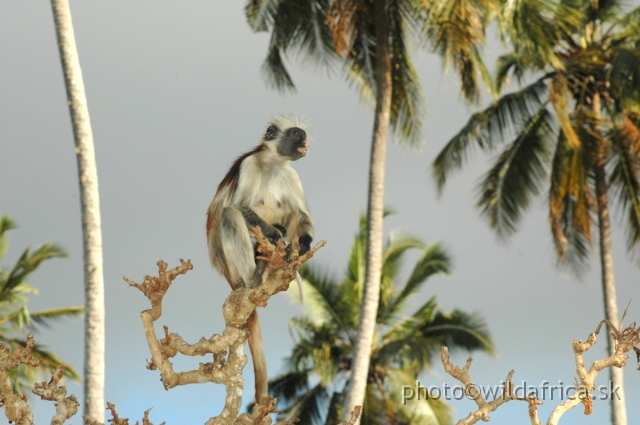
304,231
300,223
252,219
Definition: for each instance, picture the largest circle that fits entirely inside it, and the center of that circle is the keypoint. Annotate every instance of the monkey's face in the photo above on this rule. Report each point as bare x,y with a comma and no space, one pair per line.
292,143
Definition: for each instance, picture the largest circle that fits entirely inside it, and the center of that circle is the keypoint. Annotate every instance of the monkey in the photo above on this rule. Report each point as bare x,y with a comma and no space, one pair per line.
260,189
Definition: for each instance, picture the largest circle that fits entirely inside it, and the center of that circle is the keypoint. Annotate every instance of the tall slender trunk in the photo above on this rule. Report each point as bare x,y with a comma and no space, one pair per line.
618,408
371,297
90,206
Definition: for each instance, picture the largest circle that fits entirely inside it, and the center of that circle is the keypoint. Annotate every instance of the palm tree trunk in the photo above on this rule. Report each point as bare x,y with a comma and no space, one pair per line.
618,409
371,297
90,206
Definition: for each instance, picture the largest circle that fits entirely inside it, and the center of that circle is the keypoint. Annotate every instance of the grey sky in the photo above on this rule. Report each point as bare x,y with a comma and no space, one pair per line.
175,95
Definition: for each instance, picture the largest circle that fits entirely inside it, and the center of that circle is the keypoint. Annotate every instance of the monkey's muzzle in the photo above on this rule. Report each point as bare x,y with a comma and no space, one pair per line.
304,149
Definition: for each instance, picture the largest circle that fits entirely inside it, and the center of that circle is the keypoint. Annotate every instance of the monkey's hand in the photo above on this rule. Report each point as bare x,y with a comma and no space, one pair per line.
273,233
282,229
305,244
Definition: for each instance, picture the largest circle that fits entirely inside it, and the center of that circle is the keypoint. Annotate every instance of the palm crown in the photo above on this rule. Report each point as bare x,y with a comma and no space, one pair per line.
577,116
404,346
343,31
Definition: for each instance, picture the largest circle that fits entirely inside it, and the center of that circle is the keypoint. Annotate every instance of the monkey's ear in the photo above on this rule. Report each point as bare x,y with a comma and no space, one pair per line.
271,133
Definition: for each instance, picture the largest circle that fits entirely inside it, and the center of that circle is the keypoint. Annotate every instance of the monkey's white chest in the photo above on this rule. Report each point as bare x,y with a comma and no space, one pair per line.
271,201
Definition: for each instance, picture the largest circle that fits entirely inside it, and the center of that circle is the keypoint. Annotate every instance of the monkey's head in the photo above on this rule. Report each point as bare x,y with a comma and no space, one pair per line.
288,137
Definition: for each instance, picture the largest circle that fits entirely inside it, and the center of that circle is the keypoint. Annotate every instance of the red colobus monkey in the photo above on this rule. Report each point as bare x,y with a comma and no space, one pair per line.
260,189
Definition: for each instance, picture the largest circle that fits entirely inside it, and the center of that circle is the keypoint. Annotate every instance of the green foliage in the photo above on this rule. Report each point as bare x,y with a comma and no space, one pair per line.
404,345
579,63
15,318
343,32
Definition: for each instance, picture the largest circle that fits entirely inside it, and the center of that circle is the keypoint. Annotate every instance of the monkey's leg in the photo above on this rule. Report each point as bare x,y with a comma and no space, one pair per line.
237,247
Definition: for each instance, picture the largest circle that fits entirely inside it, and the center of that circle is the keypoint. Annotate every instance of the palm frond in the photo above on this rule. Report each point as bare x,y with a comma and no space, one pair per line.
559,91
536,28
460,330
570,204
455,30
518,174
298,25
359,49
325,300
310,407
28,262
335,411
433,260
6,223
625,175
490,127
518,64
397,245
423,409
375,411
404,343
259,14
627,28
410,352
407,101
624,76
274,69
289,385
46,317
325,349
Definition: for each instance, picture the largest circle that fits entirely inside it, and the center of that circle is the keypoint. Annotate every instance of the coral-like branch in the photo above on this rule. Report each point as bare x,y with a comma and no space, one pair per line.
626,339
228,348
116,419
485,407
66,407
15,405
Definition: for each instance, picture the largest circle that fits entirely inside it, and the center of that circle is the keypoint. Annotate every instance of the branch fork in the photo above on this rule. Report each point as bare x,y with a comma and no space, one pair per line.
227,348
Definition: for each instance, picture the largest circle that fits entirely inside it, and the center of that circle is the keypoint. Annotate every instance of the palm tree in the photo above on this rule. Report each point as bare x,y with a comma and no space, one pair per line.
369,37
313,389
16,319
94,345
575,124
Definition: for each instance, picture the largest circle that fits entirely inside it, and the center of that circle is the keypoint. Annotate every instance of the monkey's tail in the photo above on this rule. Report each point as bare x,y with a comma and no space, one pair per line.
257,353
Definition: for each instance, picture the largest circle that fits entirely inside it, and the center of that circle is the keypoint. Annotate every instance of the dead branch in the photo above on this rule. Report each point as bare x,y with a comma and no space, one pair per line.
485,407
16,407
116,419
228,348
626,339
66,407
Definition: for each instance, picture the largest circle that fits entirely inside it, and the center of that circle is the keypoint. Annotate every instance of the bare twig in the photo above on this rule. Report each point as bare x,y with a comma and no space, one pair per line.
485,407
66,407
228,348
15,405
626,339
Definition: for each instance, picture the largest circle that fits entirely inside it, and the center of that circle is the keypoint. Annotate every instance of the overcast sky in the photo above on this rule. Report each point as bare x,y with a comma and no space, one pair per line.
175,95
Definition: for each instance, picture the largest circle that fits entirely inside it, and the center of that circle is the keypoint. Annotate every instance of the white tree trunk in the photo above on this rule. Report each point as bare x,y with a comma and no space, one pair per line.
618,407
90,205
375,207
